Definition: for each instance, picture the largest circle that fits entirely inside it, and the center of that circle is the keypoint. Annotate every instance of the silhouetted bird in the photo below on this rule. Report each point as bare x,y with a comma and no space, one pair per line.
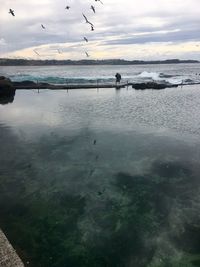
67,7
99,1
85,39
11,12
95,141
36,52
93,8
43,26
87,21
87,55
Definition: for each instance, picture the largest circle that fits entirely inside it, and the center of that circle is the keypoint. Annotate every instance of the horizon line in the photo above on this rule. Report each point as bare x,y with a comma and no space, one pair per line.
110,59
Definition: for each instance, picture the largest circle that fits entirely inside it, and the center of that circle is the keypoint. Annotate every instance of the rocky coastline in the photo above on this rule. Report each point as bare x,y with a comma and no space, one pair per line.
8,88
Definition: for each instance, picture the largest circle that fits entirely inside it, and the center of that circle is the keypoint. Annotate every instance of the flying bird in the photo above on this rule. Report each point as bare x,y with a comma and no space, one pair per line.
93,8
11,12
99,1
36,52
87,55
85,39
67,7
43,26
87,21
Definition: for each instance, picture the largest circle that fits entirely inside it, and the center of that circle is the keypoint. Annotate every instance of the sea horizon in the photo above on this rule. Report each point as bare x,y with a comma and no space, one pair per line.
55,62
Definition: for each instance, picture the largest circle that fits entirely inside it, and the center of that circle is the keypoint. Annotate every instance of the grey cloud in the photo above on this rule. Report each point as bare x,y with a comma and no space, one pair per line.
113,20
153,38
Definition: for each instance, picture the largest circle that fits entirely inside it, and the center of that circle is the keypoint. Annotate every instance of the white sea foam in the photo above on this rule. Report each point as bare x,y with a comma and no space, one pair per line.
156,76
153,75
175,80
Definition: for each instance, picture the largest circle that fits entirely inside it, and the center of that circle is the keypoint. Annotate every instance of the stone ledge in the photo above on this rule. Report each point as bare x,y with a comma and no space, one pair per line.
8,256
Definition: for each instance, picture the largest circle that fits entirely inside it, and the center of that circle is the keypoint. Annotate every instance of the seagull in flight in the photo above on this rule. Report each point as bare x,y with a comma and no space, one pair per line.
87,55
93,8
11,12
85,39
87,21
43,26
99,1
36,52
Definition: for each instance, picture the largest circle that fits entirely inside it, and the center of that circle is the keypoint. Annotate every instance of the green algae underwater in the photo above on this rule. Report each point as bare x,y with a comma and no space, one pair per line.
95,195
58,211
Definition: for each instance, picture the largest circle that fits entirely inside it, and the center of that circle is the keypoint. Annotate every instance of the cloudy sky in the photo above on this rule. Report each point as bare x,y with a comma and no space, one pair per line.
128,29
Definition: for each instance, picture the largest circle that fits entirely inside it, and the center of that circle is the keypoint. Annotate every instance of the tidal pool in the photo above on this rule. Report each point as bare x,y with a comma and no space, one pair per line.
94,178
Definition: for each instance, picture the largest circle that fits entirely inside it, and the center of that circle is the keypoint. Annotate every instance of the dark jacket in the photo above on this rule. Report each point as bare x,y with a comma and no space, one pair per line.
118,77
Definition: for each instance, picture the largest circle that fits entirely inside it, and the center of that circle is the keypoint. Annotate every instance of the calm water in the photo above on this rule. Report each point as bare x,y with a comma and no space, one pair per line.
102,178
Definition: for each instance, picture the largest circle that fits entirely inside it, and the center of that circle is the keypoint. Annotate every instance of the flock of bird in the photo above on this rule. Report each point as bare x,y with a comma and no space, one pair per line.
92,7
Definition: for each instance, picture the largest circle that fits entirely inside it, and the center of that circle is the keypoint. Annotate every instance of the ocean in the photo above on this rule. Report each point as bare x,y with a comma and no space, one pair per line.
172,73
102,177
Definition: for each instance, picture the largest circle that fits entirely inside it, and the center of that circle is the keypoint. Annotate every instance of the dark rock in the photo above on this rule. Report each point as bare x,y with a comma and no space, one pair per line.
152,85
139,86
7,91
6,87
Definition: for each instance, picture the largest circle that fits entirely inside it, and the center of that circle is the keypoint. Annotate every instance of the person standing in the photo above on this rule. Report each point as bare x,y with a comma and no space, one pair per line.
118,77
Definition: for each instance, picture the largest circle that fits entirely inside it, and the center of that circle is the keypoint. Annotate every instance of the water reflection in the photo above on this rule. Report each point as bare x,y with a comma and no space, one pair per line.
129,199
7,99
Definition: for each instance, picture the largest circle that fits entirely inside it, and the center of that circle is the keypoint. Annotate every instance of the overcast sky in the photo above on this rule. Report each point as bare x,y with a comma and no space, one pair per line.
128,29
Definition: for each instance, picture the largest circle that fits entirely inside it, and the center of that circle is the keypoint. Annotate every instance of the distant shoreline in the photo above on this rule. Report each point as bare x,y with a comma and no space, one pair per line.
112,62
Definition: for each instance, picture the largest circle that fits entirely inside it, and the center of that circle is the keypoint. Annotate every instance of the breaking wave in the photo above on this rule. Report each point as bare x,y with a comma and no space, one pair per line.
161,77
